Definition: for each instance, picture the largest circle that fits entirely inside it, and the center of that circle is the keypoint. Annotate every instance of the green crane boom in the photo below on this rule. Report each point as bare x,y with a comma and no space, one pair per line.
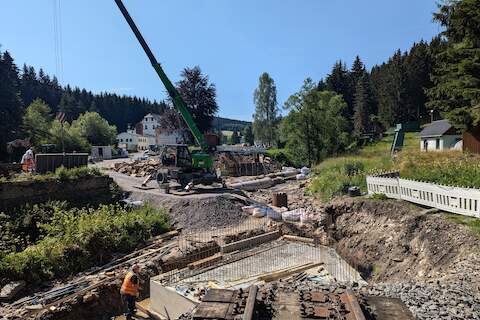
172,91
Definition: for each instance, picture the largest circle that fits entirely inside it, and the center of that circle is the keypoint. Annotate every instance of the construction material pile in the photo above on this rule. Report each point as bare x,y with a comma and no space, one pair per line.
238,164
137,168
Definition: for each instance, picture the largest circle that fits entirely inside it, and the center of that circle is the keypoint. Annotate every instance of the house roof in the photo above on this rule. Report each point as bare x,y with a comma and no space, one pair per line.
155,116
437,128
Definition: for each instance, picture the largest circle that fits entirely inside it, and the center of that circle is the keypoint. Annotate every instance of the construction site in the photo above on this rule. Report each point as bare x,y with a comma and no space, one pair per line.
199,229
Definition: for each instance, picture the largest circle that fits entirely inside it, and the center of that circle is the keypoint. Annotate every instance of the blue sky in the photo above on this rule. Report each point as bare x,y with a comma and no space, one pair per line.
232,41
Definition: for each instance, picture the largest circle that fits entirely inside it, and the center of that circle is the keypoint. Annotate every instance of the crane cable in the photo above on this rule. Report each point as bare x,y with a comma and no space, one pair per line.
57,38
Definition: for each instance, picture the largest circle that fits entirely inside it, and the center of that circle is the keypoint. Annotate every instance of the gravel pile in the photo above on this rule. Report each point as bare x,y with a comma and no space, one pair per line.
205,213
432,301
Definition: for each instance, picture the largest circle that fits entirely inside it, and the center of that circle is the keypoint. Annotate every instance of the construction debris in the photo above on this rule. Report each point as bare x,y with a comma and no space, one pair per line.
11,289
137,168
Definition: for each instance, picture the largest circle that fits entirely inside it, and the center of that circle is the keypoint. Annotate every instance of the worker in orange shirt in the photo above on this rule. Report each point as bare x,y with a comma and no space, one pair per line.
28,161
129,291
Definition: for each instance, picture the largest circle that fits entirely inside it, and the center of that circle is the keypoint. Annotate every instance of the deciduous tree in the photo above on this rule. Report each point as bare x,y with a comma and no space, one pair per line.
200,97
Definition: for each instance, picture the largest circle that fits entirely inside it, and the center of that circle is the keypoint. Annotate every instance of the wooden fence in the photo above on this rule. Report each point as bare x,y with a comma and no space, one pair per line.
464,201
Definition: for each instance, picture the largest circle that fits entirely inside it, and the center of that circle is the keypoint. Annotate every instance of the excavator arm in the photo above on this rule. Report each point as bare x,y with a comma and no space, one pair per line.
177,100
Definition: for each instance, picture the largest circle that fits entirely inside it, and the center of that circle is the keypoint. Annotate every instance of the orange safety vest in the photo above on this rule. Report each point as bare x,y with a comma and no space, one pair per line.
128,287
29,165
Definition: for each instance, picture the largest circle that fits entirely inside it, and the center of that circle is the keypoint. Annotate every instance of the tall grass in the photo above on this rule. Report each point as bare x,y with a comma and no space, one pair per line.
332,177
452,168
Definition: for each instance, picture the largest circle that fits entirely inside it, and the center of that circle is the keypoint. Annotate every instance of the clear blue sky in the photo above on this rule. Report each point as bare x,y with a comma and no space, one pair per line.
232,41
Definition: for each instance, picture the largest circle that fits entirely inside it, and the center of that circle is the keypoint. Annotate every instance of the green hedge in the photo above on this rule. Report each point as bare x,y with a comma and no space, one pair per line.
77,239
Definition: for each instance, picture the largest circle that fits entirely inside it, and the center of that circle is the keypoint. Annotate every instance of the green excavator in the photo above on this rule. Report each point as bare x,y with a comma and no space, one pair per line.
178,163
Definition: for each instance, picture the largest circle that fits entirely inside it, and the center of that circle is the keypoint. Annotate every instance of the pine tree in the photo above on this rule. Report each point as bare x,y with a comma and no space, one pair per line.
456,78
10,102
248,135
418,66
265,118
357,72
340,81
364,106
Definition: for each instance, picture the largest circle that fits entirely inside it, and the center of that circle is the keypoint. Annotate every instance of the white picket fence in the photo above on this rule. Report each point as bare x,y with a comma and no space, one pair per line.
464,201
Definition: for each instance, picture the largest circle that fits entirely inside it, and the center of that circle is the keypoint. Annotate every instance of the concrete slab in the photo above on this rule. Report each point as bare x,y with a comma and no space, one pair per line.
166,299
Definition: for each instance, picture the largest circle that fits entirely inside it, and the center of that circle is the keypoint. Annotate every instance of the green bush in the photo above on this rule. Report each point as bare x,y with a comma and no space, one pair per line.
61,174
334,176
280,156
77,239
21,226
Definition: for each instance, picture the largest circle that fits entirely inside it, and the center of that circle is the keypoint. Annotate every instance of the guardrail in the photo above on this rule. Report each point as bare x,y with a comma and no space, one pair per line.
464,201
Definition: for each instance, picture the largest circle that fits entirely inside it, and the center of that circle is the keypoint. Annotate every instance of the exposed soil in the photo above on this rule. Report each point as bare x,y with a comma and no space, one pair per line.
397,241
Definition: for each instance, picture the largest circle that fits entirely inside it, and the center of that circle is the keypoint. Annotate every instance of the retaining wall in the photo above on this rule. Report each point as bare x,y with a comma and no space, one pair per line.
464,201
17,193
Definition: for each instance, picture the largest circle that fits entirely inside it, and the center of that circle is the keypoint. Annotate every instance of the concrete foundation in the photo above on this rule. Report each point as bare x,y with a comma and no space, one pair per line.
287,255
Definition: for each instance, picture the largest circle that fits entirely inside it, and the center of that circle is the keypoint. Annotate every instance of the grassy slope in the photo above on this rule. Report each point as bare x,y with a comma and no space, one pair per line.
335,175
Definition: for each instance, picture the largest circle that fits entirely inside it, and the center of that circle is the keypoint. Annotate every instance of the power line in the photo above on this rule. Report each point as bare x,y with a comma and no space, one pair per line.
57,39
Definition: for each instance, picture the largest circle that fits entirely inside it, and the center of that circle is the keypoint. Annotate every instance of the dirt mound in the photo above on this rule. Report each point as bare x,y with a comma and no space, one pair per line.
205,213
392,240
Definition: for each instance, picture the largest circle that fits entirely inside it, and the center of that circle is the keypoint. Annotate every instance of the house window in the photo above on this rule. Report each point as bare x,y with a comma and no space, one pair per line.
146,127
121,140
437,144
425,145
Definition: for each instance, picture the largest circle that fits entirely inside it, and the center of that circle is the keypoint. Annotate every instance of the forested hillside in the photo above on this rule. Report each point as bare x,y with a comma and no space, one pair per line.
19,88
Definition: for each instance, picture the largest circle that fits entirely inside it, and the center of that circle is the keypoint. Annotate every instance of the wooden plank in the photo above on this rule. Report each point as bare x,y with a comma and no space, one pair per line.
282,274
211,310
300,239
250,305
205,261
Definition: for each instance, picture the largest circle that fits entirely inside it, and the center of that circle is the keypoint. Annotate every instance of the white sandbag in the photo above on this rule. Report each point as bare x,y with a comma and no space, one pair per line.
293,215
258,213
301,176
305,171
307,217
248,209
274,215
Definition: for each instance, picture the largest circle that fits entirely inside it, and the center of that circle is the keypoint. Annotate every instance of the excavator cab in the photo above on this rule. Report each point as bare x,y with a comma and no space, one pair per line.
176,155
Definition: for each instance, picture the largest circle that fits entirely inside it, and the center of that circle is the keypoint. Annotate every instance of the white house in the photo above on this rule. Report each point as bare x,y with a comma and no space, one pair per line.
439,135
151,125
145,141
128,140
150,122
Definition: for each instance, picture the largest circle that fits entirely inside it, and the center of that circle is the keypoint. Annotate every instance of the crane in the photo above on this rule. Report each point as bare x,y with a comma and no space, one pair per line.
185,167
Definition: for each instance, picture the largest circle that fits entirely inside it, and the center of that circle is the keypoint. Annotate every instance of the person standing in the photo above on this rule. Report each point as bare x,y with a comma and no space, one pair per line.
28,161
129,291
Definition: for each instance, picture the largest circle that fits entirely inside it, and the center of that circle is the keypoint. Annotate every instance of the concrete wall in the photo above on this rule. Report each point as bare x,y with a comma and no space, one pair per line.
101,152
13,194
162,298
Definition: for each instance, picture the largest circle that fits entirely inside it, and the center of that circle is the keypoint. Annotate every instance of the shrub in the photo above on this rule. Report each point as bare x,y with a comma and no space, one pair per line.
61,174
334,176
76,239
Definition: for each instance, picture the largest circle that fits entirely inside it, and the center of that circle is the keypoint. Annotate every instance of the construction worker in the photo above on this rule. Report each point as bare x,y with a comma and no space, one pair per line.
129,291
28,161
